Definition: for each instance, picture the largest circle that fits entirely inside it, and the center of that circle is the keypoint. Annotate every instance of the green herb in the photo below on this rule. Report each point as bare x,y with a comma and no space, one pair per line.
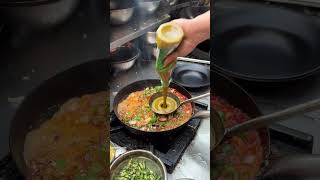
158,88
243,136
154,119
230,170
227,149
85,177
162,124
137,117
222,116
129,113
136,169
60,164
94,169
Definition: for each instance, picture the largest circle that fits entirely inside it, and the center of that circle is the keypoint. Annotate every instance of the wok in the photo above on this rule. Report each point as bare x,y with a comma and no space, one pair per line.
140,85
303,166
238,97
43,101
265,44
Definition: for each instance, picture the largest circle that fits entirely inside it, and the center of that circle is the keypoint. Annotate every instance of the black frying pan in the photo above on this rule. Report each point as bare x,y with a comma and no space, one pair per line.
236,96
265,44
86,78
138,86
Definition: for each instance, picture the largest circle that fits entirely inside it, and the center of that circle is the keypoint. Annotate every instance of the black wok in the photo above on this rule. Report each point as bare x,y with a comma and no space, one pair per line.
236,96
265,44
43,101
138,86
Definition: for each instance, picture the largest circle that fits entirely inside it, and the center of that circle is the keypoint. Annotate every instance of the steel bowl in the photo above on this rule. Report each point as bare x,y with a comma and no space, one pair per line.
124,57
150,47
153,162
121,16
150,38
148,7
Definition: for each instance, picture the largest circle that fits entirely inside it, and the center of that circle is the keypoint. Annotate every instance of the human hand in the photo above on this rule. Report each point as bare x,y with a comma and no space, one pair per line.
195,31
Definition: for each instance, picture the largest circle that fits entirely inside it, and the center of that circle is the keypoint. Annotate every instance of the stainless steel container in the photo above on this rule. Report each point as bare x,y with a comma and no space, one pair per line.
148,7
124,57
155,163
121,16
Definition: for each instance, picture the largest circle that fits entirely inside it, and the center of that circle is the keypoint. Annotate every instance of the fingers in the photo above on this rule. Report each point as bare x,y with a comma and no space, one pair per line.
183,50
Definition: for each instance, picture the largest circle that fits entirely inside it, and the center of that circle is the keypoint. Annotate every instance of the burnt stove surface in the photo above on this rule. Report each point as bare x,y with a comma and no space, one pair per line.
168,149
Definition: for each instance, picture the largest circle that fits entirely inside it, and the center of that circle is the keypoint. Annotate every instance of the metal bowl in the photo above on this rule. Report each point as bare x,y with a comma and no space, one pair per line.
154,162
121,16
124,57
150,37
148,7
150,46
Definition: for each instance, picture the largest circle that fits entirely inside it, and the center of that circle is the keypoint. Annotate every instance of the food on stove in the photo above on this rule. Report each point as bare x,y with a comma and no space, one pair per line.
137,169
73,143
136,112
239,157
112,152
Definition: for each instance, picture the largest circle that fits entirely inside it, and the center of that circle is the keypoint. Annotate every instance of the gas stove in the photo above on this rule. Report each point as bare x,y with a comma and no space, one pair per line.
168,149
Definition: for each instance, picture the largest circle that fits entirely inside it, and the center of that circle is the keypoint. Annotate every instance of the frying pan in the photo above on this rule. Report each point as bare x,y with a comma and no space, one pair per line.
43,101
265,44
235,95
140,85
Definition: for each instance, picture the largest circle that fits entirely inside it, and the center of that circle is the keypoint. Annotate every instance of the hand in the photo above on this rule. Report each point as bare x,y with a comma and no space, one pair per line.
195,31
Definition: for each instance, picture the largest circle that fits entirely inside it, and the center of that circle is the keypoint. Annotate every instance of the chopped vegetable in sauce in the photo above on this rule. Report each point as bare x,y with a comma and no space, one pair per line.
136,112
241,156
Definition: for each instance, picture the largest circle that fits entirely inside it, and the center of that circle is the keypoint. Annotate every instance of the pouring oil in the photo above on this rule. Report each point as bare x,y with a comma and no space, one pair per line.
168,38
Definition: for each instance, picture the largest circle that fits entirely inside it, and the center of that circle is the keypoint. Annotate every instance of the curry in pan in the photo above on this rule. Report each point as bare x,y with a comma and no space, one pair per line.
136,112
239,157
73,143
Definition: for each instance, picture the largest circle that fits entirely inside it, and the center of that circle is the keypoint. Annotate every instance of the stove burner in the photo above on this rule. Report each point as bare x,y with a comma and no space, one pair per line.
169,149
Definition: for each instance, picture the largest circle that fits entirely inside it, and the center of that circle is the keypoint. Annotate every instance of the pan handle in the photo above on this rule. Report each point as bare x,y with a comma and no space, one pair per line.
202,114
274,117
304,166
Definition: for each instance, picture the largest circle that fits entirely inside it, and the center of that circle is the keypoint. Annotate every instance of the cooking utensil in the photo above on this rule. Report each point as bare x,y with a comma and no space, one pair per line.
259,44
142,84
124,57
153,161
236,96
265,120
43,101
121,16
192,75
159,94
38,14
302,166
185,59
148,7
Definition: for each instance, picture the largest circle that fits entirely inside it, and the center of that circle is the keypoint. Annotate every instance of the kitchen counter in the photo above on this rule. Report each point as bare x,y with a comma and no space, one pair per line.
25,63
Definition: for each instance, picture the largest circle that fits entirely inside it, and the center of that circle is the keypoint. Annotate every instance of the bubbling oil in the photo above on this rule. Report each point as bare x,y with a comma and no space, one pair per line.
159,107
